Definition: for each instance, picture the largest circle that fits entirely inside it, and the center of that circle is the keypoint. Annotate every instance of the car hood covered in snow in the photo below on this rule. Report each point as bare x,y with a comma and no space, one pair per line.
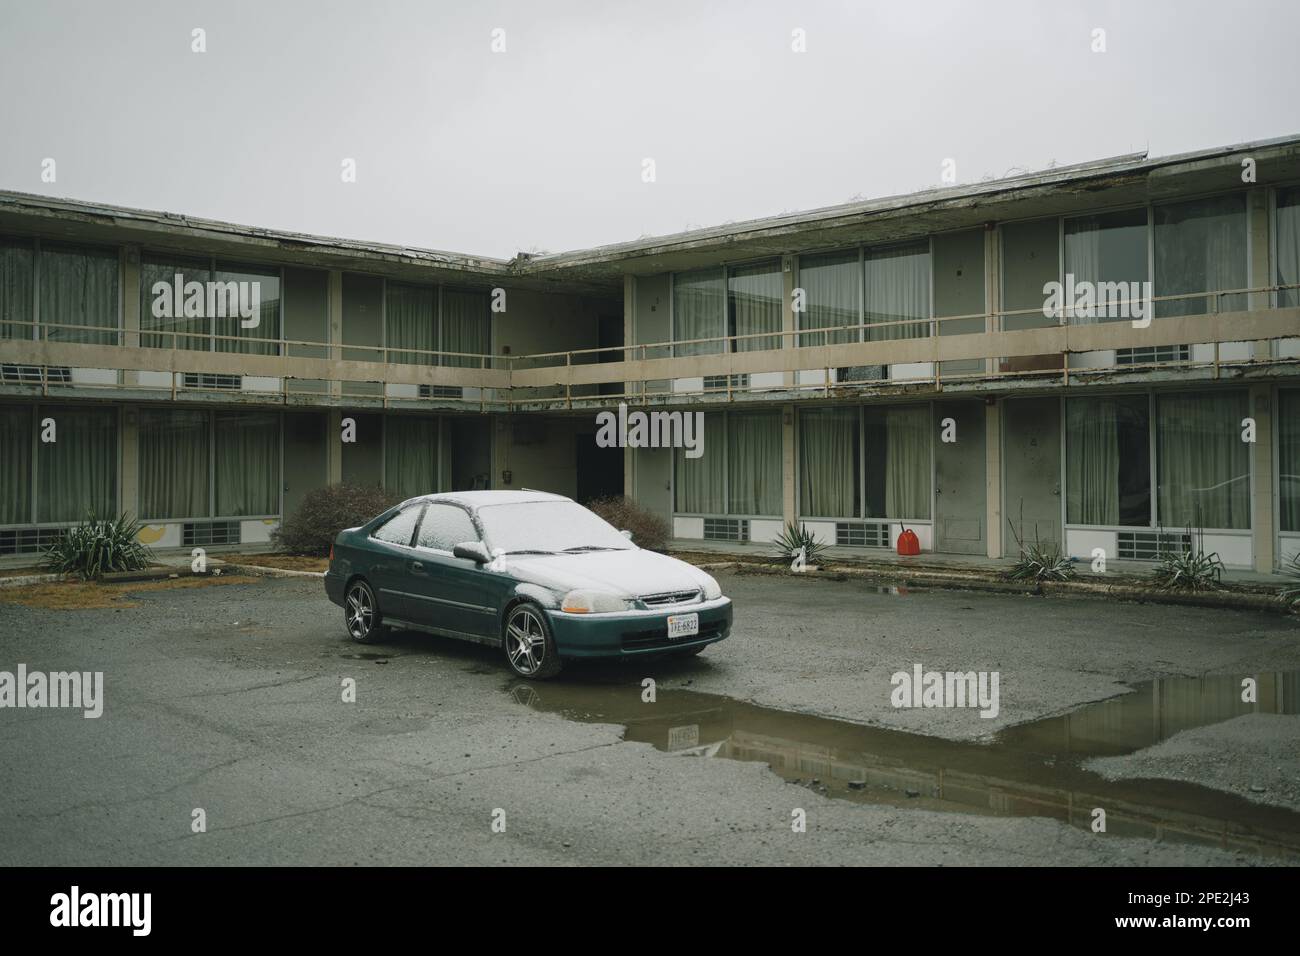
628,573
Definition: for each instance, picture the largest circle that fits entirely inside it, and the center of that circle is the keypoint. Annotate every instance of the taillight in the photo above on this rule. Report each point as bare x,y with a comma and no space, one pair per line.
331,552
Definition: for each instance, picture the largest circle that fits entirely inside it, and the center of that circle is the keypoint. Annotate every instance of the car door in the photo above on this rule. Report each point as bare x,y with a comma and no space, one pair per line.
390,550
447,592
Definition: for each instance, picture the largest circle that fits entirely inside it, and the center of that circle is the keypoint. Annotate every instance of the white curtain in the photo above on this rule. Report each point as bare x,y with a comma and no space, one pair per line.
76,473
907,462
248,341
1200,246
831,292
898,288
410,455
699,304
1092,462
1082,261
194,333
411,323
755,293
1203,468
466,318
1288,246
15,290
754,463
248,464
699,481
173,461
828,462
79,287
1288,426
15,465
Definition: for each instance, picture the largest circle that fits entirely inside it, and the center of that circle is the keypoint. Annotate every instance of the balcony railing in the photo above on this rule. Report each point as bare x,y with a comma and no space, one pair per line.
809,362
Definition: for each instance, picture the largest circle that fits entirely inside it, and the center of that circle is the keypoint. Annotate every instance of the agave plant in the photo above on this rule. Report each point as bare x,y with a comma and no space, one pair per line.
1037,561
1291,595
98,546
1189,570
796,539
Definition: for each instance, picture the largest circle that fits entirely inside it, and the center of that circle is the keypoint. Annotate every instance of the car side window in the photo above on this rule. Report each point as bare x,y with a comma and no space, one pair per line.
399,528
446,526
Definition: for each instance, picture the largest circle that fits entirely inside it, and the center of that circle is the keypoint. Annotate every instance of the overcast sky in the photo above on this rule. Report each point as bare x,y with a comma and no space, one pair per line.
542,146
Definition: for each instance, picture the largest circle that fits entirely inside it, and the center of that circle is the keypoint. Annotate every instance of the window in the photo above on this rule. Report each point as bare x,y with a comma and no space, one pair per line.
832,287
740,470
1101,250
829,461
257,290
76,474
162,314
411,456
1108,461
1203,465
196,464
15,465
79,288
400,528
466,328
1288,247
214,300
445,526
411,322
1200,246
739,300
1288,459
897,283
16,299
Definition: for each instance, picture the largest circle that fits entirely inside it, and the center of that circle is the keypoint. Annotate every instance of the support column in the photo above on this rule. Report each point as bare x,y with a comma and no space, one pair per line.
1257,224
129,475
789,318
992,288
789,502
334,446
1262,520
629,338
993,476
131,308
335,298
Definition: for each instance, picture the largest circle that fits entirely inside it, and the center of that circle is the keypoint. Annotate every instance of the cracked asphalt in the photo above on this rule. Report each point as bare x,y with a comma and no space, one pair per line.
228,699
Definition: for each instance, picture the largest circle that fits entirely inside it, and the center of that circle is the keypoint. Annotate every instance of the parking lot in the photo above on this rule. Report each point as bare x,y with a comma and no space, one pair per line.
228,705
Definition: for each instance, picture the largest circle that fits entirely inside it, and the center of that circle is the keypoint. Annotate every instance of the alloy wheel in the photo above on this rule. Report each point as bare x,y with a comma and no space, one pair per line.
360,612
525,641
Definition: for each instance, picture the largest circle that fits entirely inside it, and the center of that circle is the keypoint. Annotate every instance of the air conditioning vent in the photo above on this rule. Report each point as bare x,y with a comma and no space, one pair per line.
441,391
27,540
865,534
1151,545
1151,354
210,532
719,382
726,529
31,374
210,380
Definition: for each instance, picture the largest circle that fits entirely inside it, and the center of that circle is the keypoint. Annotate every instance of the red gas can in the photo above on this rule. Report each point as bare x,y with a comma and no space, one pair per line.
908,543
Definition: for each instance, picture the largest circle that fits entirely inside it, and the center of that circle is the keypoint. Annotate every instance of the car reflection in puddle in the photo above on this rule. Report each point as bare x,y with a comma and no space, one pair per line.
1033,769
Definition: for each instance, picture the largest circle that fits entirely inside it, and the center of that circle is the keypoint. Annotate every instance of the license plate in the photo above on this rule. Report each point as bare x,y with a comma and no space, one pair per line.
683,625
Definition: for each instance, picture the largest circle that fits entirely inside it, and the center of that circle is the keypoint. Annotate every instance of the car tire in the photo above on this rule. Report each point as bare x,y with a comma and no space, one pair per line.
361,614
528,643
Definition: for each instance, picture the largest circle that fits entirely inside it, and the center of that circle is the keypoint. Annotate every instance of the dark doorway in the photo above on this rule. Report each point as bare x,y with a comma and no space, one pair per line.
609,335
600,470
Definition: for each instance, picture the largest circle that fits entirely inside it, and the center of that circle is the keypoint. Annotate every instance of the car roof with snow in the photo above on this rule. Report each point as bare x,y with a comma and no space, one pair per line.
480,499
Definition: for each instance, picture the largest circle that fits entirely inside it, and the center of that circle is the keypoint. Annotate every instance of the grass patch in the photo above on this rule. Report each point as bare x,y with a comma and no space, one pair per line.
285,562
91,595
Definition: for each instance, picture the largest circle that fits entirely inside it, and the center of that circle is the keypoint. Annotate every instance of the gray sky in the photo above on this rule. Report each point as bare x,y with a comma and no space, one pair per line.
541,147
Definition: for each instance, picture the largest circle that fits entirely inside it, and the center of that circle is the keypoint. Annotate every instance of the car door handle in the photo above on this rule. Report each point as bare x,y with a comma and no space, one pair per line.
417,566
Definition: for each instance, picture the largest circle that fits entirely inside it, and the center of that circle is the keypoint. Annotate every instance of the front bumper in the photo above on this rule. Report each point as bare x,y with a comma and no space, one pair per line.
636,632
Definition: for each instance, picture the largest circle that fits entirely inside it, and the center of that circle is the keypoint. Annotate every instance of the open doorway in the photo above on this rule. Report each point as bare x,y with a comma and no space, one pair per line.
600,470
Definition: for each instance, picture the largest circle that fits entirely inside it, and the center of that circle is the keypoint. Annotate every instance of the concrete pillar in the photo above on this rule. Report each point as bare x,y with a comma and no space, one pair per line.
128,487
789,501
334,446
1257,226
993,476
992,287
1263,522
130,308
789,319
629,472
629,338
335,298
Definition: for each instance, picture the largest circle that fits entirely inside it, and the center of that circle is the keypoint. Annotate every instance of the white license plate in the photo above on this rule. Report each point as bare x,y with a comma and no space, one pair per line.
683,625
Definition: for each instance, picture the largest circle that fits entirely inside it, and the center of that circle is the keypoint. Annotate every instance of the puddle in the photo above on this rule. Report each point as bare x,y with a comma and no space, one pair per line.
1030,770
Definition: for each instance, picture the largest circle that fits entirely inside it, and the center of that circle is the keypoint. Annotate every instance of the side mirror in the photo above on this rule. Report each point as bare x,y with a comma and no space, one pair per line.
627,534
472,551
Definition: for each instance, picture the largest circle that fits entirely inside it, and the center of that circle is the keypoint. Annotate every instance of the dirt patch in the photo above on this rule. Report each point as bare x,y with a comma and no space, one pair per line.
21,572
285,562
86,595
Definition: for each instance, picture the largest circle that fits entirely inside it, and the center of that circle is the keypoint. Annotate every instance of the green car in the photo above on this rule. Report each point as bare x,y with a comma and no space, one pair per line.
533,573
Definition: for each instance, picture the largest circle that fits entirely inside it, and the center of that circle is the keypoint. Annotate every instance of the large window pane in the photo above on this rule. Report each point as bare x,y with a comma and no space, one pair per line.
76,474
699,311
1203,465
897,289
248,464
1108,461
832,287
1288,458
1288,246
699,482
15,464
466,327
754,299
411,455
828,463
16,300
410,315
239,281
1104,249
79,287
1201,247
754,463
174,450
162,315
897,452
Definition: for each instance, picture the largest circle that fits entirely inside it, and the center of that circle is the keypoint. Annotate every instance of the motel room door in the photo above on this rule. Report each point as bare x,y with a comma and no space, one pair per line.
959,499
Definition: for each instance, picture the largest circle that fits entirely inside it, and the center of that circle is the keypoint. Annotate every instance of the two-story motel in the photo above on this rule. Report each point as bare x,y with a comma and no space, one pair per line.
861,368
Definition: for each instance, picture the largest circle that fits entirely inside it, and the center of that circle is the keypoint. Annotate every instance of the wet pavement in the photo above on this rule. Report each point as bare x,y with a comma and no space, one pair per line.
1033,770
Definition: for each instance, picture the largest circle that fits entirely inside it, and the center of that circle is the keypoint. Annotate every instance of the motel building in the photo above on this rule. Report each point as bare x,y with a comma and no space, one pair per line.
860,368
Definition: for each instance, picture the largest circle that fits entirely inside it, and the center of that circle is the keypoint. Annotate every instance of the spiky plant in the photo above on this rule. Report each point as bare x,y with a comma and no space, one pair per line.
1188,570
1291,595
98,546
796,537
1037,561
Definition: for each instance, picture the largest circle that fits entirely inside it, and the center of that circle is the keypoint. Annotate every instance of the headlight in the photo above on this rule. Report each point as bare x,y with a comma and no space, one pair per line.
594,602
712,591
